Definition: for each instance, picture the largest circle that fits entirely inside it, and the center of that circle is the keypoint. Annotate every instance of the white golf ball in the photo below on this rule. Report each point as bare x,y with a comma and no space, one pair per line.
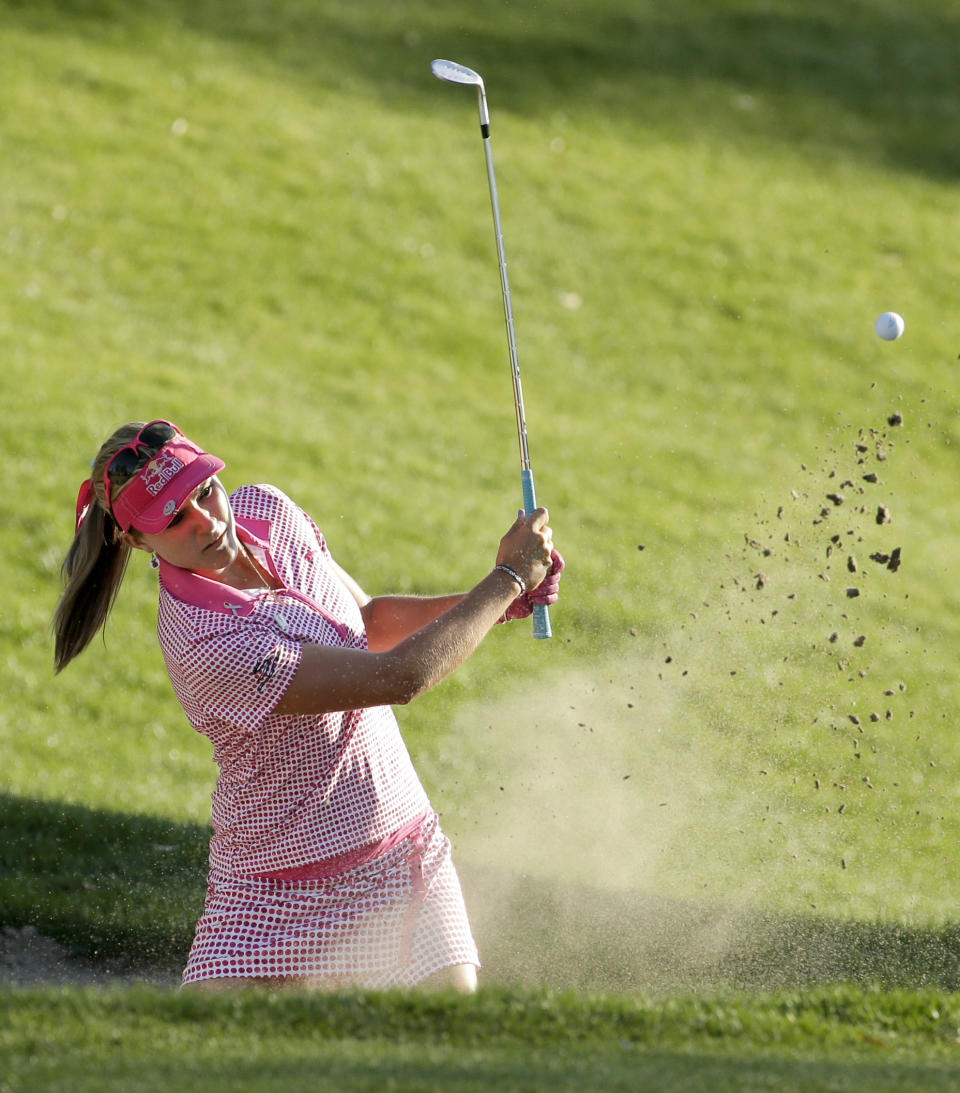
889,326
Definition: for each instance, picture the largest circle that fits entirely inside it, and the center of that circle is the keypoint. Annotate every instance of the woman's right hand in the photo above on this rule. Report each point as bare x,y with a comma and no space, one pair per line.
527,548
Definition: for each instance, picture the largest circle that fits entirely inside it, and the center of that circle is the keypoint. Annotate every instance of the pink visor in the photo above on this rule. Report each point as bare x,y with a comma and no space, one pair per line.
151,499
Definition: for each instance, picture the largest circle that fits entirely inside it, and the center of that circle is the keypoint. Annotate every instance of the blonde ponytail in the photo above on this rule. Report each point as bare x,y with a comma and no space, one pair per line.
95,564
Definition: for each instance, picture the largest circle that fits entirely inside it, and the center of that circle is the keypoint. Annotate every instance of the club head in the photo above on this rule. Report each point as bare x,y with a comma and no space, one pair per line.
454,73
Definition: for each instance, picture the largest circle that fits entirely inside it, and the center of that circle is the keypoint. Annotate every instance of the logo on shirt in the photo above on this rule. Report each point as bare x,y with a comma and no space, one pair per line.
160,471
265,669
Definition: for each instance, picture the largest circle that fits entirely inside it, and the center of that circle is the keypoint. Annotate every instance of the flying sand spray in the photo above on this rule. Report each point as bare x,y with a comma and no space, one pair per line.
456,73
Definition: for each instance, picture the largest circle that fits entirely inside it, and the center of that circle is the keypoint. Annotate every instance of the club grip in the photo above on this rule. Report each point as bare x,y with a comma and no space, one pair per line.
541,613
541,621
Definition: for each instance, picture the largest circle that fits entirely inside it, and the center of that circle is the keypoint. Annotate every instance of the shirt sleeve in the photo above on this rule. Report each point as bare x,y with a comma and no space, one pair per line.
317,534
238,677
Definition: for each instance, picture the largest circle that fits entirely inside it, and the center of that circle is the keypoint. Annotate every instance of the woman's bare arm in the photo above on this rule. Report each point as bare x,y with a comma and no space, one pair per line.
331,678
403,663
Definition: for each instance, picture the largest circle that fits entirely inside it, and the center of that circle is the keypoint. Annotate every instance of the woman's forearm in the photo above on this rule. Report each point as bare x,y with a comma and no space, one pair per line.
436,649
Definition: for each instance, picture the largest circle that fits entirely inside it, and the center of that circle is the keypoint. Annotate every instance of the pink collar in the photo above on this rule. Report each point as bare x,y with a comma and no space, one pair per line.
191,588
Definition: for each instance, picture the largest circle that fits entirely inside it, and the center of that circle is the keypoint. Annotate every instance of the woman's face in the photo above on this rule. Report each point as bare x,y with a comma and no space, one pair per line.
201,537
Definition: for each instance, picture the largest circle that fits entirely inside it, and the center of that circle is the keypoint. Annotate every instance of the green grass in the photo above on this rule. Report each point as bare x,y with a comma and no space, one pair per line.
270,223
829,1039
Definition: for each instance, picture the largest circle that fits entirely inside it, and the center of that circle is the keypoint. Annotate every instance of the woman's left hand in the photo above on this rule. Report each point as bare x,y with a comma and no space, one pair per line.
546,593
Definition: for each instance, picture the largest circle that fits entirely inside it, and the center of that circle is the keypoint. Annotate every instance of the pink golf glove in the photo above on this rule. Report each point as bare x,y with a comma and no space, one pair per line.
546,593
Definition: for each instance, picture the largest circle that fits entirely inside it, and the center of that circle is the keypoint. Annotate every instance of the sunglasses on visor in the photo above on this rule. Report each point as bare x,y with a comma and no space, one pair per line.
132,456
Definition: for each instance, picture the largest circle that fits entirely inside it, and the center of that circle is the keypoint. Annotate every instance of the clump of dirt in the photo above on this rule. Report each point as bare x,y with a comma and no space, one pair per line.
891,560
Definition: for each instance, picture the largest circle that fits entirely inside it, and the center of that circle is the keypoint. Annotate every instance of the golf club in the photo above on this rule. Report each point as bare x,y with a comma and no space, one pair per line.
457,73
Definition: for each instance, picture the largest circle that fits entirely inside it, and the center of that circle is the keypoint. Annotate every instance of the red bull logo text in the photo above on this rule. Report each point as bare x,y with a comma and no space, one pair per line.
160,471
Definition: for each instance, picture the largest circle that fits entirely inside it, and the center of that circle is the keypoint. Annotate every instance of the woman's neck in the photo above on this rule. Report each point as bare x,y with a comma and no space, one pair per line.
248,574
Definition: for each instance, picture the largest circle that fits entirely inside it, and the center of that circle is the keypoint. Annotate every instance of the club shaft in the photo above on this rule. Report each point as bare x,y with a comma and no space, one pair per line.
508,312
541,613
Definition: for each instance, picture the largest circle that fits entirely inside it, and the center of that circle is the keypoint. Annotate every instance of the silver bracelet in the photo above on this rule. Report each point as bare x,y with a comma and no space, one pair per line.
516,576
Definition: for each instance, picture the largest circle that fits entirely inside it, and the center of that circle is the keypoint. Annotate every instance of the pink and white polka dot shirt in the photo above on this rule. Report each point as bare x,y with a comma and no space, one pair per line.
292,790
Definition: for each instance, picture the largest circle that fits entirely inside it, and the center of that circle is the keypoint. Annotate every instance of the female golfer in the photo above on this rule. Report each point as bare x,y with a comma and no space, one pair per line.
327,864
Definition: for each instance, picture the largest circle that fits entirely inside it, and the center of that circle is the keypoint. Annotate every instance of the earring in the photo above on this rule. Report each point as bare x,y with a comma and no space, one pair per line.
154,562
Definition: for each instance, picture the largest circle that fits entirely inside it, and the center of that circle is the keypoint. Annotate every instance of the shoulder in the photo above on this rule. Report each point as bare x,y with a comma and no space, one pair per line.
261,502
276,518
